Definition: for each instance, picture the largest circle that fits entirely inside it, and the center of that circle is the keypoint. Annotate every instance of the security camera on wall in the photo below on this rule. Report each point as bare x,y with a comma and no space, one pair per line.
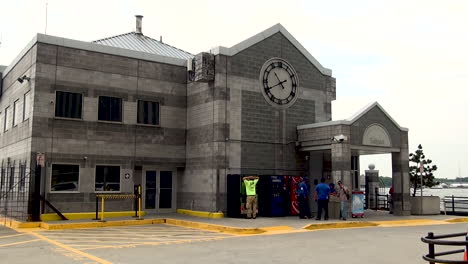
340,138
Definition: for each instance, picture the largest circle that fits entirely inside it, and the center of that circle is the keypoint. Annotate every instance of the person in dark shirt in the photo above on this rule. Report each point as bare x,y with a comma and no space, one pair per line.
303,199
321,196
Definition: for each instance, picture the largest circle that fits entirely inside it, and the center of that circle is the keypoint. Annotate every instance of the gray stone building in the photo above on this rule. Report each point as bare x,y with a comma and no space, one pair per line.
129,110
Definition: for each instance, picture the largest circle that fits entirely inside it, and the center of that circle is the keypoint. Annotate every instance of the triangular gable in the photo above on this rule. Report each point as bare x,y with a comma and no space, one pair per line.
353,119
266,34
369,107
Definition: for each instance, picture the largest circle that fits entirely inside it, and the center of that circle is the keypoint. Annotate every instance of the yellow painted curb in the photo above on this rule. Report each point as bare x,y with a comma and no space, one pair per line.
200,213
50,226
408,222
212,227
339,225
87,215
16,224
457,220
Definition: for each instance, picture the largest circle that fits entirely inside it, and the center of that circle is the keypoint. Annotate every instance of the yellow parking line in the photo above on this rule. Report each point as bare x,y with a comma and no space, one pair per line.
12,236
18,243
144,244
99,260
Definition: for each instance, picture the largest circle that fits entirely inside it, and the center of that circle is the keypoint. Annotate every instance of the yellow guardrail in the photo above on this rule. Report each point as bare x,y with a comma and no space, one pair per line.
115,197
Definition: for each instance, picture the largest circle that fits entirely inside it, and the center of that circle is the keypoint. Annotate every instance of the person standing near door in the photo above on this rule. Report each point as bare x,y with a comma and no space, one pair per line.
343,194
303,199
250,184
321,197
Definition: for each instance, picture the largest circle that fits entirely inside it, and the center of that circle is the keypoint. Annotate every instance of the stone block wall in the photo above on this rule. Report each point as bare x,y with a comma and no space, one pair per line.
90,142
268,134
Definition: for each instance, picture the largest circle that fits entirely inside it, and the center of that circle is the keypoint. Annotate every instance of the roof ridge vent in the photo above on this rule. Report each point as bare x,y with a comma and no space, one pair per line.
138,28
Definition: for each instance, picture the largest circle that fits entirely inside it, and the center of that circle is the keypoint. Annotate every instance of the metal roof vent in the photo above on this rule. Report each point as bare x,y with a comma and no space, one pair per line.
139,24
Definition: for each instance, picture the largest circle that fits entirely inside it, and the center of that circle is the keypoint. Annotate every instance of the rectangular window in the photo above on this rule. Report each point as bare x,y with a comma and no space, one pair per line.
15,114
22,181
110,109
26,106
68,104
6,122
65,178
165,197
148,112
2,178
107,178
12,177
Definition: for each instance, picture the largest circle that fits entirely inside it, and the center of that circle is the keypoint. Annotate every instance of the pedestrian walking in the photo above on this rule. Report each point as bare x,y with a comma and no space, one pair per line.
250,184
303,199
321,197
343,194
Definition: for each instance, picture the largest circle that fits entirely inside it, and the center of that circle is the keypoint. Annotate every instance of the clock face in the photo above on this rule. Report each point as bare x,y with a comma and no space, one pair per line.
279,82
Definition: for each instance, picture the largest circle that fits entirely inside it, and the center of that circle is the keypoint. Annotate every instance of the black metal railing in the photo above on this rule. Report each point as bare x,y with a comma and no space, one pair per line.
382,201
14,192
455,205
432,241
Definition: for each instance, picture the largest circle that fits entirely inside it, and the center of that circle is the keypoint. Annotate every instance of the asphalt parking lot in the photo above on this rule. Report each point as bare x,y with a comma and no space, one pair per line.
80,245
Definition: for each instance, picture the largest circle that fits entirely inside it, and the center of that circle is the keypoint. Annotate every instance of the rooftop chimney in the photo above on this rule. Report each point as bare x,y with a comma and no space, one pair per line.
138,24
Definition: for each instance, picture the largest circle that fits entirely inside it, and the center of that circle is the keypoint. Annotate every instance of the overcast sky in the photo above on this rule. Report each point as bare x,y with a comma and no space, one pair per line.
410,56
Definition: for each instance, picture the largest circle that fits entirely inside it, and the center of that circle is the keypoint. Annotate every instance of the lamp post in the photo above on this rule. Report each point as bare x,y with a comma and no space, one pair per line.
421,170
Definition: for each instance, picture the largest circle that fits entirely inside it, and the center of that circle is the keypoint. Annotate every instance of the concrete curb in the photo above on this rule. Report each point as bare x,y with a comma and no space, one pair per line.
87,215
170,221
212,227
227,229
50,226
200,213
339,225
458,220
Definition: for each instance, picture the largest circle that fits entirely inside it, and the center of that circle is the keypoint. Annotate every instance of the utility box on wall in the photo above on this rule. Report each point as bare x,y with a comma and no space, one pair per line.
204,67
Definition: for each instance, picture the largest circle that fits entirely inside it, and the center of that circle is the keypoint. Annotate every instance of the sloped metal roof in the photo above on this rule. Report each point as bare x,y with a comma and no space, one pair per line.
140,42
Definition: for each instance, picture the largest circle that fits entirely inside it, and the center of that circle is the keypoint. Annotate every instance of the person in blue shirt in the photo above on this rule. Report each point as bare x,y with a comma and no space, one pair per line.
303,199
321,196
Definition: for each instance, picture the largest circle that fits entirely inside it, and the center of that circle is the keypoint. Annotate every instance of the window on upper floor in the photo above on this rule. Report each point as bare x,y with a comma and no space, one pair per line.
68,104
26,106
15,113
110,109
148,112
6,119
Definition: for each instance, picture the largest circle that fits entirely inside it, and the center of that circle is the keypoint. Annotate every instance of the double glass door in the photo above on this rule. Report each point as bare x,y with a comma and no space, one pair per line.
158,190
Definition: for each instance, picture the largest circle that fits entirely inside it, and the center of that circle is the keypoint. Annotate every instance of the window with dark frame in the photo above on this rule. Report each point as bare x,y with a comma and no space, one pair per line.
15,114
65,178
68,104
148,112
2,178
110,109
107,178
22,182
12,177
26,106
6,120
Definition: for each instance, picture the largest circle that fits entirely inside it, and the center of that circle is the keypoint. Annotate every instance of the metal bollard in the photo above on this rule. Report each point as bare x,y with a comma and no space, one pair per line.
102,209
97,206
139,203
430,235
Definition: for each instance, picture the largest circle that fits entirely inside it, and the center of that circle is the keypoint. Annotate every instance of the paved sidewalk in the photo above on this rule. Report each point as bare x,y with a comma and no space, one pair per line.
259,225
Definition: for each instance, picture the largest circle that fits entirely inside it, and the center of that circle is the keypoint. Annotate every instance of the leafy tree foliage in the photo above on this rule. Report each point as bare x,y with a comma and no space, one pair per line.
416,159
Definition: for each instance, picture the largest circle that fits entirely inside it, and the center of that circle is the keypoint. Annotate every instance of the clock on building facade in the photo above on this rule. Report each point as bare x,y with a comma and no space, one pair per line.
279,83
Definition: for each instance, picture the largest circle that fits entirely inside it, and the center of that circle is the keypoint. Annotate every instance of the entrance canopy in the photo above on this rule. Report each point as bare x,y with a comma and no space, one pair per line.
370,131
339,143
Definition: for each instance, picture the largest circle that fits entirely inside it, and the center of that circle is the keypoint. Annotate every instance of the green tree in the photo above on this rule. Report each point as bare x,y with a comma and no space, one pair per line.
417,159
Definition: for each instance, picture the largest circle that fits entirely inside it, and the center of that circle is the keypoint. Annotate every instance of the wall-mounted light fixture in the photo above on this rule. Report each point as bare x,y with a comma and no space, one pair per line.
24,78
